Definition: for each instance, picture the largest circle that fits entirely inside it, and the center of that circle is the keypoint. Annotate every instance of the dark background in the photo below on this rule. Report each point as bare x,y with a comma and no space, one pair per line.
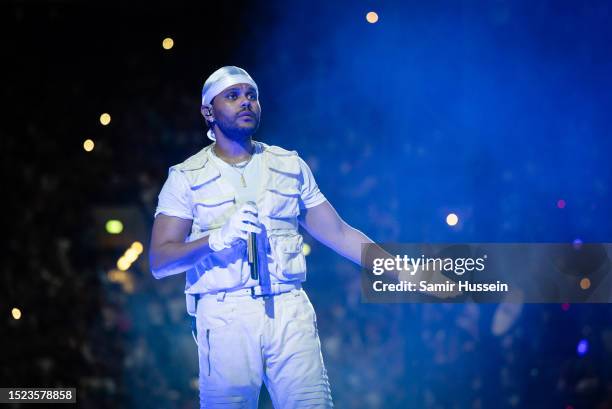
493,110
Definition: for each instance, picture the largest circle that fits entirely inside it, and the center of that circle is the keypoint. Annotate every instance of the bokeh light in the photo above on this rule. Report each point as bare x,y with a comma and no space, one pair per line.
123,263
372,17
16,312
138,247
585,283
116,276
88,145
583,347
114,226
306,249
122,277
131,255
167,43
561,204
452,219
105,119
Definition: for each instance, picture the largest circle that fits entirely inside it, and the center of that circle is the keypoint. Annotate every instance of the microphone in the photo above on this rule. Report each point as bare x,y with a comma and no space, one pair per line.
252,254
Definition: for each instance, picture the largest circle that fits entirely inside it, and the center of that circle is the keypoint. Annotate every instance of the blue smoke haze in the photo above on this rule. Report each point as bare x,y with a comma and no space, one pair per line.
493,110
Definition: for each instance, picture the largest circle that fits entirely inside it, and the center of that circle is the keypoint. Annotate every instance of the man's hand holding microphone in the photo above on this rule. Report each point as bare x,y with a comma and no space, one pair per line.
238,227
243,225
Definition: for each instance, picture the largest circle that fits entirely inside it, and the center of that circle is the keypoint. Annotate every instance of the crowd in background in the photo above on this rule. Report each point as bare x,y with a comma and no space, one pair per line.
135,349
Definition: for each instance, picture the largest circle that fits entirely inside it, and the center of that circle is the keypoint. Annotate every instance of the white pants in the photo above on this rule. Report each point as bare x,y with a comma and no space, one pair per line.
243,341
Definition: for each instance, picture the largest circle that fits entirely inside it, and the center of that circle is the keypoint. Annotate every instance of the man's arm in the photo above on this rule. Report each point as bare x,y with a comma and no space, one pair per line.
324,224
168,253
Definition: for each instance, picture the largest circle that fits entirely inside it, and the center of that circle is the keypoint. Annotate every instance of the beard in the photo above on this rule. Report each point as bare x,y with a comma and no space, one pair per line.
234,131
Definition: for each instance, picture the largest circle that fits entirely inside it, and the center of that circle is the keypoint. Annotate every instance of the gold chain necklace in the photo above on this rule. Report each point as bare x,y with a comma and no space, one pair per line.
239,169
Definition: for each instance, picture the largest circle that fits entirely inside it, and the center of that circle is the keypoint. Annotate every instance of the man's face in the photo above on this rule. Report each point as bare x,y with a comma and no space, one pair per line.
236,111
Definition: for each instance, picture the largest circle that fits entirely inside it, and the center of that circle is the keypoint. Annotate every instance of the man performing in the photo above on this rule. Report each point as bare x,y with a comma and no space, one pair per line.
228,216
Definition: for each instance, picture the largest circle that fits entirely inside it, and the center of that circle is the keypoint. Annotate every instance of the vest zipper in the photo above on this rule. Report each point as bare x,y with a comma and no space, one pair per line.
208,344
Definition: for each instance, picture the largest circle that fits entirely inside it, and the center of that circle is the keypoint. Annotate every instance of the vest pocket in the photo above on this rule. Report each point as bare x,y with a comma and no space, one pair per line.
282,203
213,211
290,261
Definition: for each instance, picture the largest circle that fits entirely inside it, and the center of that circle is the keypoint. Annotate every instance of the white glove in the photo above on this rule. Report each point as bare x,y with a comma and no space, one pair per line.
243,222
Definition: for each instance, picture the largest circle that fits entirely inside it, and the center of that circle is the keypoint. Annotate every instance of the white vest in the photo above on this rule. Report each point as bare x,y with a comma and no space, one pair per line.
214,201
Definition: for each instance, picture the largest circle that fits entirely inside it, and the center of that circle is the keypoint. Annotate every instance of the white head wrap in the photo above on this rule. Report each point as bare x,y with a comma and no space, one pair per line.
219,80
